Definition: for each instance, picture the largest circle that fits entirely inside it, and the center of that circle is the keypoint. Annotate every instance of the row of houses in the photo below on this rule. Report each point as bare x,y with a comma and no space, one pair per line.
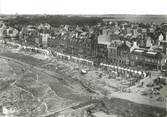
99,44
120,53
146,48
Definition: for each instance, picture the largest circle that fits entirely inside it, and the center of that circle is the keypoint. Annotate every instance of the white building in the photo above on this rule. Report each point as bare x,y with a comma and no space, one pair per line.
45,26
12,32
148,42
105,37
160,38
45,38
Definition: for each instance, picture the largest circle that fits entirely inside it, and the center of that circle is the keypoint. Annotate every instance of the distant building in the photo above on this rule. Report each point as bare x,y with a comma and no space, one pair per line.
102,53
128,30
44,27
163,45
105,37
144,31
66,27
123,53
12,32
151,30
134,46
104,40
160,38
135,32
45,38
28,35
148,42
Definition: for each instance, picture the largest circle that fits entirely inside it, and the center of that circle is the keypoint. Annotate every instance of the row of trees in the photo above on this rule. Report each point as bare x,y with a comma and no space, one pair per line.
54,20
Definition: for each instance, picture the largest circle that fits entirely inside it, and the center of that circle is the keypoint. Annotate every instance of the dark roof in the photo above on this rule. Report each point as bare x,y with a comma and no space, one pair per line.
123,46
114,37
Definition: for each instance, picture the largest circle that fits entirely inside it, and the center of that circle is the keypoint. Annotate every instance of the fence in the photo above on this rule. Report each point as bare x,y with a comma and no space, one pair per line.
82,61
38,50
121,70
15,45
74,59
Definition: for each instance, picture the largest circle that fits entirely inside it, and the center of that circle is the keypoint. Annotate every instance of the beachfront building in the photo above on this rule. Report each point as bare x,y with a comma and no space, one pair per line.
149,59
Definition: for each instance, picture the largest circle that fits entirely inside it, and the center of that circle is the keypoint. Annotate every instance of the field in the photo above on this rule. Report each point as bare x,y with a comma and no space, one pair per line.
138,18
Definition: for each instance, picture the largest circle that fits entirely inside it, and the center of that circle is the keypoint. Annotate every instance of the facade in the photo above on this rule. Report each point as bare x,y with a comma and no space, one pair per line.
102,54
105,37
104,40
28,35
163,45
160,38
145,57
113,52
12,33
81,45
45,38
123,54
118,53
148,42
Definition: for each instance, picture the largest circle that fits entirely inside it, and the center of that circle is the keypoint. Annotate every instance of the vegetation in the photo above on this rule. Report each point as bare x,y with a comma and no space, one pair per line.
54,20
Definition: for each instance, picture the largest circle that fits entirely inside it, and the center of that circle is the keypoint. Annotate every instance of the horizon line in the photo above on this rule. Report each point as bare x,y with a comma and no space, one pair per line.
107,14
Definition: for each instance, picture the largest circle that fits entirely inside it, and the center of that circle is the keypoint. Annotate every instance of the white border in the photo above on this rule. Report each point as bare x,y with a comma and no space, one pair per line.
137,7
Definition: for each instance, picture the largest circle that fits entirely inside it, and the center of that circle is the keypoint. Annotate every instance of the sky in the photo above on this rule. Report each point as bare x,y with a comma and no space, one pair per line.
83,7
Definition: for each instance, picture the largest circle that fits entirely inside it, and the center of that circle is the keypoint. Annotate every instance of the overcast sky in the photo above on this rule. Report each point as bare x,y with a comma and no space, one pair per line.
83,6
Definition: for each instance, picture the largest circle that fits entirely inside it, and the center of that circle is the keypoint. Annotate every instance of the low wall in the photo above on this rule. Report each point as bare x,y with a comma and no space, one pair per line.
125,108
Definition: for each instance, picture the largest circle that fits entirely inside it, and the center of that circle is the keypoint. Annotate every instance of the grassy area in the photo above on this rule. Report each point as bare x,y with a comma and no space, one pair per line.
24,58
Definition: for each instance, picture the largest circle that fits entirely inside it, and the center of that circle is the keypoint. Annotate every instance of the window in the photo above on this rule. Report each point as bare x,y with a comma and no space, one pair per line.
145,59
10,31
136,57
152,60
149,60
